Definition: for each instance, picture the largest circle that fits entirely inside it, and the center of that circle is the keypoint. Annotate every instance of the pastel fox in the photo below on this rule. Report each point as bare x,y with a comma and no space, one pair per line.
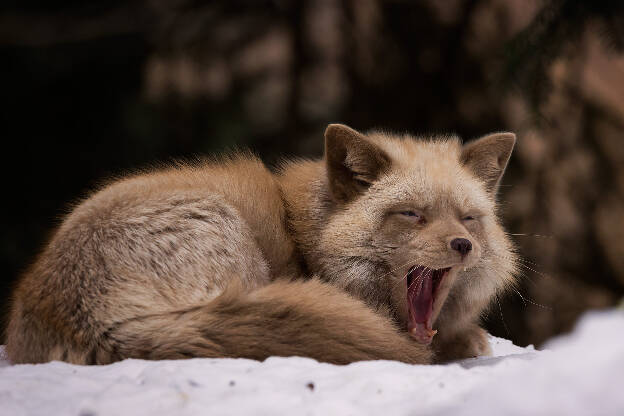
387,248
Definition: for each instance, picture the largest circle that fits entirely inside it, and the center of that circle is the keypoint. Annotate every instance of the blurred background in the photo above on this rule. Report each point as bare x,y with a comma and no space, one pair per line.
95,89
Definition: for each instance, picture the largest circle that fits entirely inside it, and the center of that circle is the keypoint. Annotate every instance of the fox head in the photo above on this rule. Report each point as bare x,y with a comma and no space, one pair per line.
409,225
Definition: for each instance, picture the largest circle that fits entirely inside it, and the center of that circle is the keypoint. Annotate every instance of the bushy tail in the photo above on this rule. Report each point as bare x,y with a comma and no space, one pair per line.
309,319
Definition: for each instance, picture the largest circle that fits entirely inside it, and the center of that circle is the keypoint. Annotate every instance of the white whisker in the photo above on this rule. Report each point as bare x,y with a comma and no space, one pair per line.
500,309
525,300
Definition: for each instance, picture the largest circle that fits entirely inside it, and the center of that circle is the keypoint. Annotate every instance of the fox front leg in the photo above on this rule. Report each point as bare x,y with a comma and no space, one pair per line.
469,342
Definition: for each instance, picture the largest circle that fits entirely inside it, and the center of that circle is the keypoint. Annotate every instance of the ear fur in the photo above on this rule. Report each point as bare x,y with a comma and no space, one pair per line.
352,162
487,157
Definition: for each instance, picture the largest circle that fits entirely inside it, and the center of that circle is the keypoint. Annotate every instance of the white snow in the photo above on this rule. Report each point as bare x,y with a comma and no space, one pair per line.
578,374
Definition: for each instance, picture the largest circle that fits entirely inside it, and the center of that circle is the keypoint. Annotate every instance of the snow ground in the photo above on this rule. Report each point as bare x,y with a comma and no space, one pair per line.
579,374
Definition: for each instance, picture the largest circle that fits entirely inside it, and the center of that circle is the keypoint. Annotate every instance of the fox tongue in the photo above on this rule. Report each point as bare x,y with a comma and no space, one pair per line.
420,306
422,302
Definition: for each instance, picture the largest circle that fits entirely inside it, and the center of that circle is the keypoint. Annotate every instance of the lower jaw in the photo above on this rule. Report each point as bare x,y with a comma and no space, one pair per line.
421,333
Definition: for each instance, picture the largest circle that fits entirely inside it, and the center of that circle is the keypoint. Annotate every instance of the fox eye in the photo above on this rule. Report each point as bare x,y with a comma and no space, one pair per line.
362,183
360,180
416,216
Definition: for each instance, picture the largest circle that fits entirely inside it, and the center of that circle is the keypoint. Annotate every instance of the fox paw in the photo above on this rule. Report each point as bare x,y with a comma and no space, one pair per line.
469,343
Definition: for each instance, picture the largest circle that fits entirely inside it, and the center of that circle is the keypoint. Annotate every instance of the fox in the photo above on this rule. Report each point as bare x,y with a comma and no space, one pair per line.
389,247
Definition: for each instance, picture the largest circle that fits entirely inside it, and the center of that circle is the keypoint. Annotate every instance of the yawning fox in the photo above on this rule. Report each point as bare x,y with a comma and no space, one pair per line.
365,254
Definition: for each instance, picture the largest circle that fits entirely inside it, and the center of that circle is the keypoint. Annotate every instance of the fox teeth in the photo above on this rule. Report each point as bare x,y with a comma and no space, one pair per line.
429,332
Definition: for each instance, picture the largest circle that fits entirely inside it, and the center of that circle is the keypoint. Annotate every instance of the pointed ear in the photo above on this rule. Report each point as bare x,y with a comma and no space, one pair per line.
487,157
352,161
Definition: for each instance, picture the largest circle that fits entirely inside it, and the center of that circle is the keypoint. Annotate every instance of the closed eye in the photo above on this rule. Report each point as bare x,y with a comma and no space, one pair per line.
468,218
361,180
413,215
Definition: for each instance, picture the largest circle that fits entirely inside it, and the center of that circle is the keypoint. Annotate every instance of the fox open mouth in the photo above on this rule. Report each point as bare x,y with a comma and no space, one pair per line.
423,285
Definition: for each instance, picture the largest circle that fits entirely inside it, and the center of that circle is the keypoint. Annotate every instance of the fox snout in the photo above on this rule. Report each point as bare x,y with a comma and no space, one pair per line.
463,248
462,245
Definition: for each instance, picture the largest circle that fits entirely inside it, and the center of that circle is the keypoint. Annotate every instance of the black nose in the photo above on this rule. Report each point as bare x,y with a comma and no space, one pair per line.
462,245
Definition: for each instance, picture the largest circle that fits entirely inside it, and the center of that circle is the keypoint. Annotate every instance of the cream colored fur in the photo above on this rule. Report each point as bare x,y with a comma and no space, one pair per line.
226,259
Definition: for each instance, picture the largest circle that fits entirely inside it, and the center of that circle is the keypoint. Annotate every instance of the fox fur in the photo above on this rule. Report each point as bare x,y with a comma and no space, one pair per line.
228,259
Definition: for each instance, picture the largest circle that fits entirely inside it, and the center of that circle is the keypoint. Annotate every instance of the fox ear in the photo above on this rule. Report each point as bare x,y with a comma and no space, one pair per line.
352,161
487,157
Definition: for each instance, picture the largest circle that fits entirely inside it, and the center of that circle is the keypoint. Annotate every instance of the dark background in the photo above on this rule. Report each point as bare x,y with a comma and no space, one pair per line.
95,89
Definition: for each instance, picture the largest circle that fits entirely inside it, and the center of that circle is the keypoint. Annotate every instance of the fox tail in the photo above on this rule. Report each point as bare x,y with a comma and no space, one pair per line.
303,318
